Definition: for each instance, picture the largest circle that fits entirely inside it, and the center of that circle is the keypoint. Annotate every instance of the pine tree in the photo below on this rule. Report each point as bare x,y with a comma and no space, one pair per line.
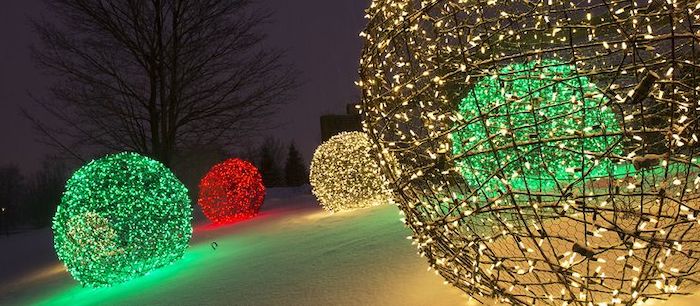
269,168
294,170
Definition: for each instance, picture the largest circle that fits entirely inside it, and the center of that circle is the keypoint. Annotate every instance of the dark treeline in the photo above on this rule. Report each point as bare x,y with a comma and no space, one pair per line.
30,202
279,164
27,202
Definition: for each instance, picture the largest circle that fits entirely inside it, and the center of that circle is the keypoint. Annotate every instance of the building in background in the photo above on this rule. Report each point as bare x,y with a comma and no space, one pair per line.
331,125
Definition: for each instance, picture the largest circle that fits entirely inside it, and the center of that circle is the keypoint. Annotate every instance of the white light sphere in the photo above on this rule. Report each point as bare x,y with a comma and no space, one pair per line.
548,150
344,174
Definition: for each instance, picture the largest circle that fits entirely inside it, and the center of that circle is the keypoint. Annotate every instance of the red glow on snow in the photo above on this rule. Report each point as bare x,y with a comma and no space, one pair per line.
216,226
260,216
231,191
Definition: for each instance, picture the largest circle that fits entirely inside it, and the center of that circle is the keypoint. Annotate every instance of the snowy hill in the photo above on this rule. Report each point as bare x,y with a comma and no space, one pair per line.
293,253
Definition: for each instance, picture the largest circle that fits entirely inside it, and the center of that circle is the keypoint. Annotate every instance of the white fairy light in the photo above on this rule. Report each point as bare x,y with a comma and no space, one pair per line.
530,140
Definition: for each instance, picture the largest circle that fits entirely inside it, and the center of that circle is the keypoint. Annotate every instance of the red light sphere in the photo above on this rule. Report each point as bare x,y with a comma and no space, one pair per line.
231,191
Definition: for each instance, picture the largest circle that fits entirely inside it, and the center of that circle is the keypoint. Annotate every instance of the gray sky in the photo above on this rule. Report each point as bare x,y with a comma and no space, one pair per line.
321,37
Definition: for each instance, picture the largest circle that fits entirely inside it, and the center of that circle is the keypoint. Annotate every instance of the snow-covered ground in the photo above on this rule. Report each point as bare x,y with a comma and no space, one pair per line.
293,253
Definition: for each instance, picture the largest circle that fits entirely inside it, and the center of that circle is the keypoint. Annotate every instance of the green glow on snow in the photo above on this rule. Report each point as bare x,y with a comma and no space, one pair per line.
269,261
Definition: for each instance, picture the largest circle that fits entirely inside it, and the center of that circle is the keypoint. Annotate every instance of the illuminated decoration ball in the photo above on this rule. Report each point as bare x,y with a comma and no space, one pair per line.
120,217
344,175
563,103
232,190
544,152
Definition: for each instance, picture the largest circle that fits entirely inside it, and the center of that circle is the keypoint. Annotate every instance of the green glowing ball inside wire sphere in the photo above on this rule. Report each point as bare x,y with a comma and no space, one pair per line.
531,135
121,217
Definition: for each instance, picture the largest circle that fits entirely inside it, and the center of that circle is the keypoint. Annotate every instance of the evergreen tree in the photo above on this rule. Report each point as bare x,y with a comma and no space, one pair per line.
294,170
269,168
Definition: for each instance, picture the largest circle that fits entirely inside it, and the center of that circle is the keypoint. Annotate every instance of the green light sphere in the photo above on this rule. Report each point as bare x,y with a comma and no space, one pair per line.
529,126
121,217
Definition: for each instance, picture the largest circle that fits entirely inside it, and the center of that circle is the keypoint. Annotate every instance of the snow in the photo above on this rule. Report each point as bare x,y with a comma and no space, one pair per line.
292,253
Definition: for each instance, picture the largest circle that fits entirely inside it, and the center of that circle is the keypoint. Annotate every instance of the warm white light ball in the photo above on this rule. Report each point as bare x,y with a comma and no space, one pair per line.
344,174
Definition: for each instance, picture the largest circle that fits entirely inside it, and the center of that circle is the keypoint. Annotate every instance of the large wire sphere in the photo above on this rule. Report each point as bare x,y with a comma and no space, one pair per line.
545,151
120,217
344,174
232,190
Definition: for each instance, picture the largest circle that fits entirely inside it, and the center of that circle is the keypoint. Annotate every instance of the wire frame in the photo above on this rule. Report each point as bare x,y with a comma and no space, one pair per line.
545,151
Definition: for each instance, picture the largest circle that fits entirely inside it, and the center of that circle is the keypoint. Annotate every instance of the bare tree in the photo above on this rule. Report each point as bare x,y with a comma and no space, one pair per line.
154,76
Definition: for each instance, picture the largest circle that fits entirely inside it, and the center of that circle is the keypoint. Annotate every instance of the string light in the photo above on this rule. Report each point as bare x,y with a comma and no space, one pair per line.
232,190
545,152
345,176
556,111
121,217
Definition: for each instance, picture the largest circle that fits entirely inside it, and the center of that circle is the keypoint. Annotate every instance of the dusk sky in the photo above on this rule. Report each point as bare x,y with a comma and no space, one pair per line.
320,36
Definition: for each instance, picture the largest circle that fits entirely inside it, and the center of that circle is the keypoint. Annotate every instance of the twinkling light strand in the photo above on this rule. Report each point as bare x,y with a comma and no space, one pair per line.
516,115
345,176
121,217
231,191
545,151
